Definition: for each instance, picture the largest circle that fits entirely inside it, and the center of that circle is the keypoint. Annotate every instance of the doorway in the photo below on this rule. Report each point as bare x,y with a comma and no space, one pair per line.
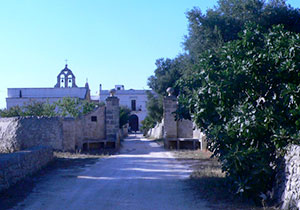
134,122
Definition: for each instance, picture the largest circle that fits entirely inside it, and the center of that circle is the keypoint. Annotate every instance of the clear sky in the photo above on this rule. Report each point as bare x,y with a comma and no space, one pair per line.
107,41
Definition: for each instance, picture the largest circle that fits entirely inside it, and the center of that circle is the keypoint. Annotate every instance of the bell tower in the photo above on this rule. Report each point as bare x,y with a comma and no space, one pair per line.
65,79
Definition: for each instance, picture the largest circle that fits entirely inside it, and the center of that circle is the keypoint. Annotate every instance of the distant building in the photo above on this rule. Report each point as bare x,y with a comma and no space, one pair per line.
65,87
135,100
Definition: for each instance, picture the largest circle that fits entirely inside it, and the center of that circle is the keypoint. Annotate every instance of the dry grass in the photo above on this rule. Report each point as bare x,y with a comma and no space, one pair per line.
80,155
209,183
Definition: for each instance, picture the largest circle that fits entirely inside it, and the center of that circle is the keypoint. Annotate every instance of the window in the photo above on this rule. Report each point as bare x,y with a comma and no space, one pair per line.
133,105
94,118
20,94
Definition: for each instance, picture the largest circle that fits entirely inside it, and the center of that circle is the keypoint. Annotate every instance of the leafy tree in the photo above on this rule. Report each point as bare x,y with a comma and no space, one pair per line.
15,111
124,115
245,98
49,110
238,81
87,106
223,23
167,72
155,111
35,108
69,107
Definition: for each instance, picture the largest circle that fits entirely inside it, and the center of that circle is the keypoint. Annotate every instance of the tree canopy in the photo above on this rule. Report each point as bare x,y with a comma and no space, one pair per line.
238,81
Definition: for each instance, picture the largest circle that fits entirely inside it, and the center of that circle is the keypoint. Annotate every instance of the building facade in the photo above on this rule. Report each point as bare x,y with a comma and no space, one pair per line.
65,87
135,100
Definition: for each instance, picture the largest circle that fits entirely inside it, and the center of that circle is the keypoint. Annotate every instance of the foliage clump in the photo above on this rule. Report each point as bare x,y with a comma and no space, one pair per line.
248,103
124,115
155,111
66,107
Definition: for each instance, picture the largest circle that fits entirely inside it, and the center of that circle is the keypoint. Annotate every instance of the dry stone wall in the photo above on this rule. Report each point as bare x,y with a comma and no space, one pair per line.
19,133
289,179
26,132
184,129
93,124
40,131
16,166
157,132
8,135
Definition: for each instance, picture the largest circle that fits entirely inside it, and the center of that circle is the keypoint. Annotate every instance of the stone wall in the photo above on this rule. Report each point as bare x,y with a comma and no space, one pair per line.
26,132
93,124
16,166
40,131
184,129
8,137
175,130
156,132
65,134
72,134
198,134
287,190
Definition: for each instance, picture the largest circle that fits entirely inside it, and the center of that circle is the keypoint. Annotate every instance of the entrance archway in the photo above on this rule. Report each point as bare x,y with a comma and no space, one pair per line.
134,122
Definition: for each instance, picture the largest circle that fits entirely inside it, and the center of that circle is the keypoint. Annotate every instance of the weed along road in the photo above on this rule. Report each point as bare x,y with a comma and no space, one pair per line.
142,176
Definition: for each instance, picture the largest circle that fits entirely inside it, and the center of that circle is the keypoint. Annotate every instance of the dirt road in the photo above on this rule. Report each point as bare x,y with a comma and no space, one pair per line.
142,176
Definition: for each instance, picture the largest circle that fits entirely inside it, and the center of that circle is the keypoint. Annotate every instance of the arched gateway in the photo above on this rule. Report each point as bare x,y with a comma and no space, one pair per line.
134,122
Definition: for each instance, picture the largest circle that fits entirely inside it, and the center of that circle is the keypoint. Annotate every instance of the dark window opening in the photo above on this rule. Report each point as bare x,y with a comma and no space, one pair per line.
20,94
118,88
94,118
133,105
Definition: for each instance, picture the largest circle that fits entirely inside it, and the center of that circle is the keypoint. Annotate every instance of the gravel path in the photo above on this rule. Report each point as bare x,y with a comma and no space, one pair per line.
142,176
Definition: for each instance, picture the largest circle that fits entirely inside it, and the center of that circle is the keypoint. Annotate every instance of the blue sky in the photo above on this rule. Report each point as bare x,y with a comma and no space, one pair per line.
108,42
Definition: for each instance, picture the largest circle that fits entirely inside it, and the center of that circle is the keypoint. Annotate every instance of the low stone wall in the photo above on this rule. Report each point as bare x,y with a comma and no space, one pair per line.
16,166
93,124
8,137
198,134
156,132
184,129
68,134
19,133
289,179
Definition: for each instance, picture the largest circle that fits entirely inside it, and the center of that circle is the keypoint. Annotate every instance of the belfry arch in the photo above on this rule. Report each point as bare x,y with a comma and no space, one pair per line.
65,79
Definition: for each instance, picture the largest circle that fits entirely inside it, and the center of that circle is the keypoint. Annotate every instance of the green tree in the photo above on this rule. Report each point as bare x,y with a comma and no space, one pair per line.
167,72
223,23
155,111
87,106
66,107
124,115
246,100
35,108
15,111
69,107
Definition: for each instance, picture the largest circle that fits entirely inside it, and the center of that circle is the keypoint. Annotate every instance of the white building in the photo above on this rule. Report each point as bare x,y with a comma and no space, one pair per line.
65,87
135,100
